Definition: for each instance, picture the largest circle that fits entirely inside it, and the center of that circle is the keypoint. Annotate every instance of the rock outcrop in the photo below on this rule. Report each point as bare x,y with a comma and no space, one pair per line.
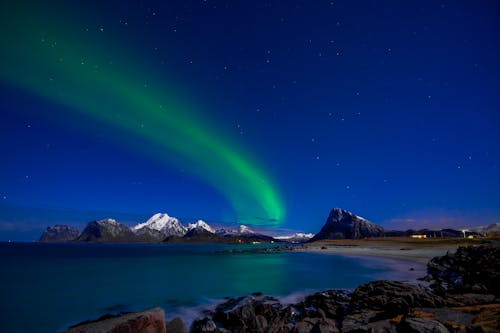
148,321
344,224
59,233
107,230
392,298
473,269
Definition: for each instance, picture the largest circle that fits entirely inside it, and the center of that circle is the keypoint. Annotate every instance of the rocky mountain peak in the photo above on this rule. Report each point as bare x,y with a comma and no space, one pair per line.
344,224
59,233
161,225
200,224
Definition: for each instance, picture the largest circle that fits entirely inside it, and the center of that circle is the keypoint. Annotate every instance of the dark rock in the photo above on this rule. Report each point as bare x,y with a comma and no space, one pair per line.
150,321
421,325
303,327
452,317
367,322
343,224
248,314
392,297
315,325
59,233
176,326
473,269
331,304
469,299
204,325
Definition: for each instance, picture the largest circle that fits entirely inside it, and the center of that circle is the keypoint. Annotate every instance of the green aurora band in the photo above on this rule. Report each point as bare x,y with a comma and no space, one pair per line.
55,60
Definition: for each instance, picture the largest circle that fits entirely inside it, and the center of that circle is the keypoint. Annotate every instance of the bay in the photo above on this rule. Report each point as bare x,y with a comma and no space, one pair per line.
46,287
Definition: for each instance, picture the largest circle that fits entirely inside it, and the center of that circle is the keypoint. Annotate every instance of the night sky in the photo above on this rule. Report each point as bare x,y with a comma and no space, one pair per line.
267,113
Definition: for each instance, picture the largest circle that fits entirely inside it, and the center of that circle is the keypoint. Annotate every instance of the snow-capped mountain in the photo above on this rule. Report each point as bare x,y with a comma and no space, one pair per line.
162,223
200,224
296,238
245,230
241,230
108,230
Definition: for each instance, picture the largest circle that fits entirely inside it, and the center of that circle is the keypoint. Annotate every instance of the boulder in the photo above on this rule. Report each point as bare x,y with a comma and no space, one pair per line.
392,297
148,321
362,323
315,325
472,269
205,325
176,326
331,304
255,313
422,325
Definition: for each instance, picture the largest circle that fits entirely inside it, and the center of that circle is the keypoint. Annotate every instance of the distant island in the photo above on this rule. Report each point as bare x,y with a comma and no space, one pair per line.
162,228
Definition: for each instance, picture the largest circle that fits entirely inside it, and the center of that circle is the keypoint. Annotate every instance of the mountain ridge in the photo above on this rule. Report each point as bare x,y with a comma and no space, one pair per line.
342,224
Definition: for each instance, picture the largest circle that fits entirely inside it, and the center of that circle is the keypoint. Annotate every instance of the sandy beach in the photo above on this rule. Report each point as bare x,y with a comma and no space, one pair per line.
398,248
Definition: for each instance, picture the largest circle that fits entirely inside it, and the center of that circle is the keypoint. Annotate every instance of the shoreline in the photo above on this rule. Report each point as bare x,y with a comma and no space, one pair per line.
431,303
397,248
377,306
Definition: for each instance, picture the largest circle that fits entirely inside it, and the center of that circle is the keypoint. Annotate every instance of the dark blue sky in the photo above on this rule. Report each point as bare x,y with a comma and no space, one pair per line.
389,109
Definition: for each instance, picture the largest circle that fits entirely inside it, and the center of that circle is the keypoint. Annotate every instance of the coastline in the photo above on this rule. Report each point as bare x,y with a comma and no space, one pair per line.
397,248
389,305
444,305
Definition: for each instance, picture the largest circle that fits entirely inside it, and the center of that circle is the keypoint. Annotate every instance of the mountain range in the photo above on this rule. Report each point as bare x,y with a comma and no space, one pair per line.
158,228
340,224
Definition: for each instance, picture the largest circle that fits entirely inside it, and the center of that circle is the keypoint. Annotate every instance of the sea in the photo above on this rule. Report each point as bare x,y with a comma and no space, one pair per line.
48,287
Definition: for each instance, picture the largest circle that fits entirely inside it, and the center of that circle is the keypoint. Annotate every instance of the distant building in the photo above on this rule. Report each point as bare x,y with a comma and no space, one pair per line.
419,236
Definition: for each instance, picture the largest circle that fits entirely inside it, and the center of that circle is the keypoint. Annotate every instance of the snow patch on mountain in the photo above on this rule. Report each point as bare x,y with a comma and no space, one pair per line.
240,230
296,236
162,222
245,230
107,221
200,224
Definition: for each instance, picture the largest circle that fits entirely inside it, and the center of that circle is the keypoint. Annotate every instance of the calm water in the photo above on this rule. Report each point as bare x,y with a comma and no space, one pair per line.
46,287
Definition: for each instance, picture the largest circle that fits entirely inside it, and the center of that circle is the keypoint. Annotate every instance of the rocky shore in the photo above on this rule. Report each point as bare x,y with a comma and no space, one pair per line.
459,294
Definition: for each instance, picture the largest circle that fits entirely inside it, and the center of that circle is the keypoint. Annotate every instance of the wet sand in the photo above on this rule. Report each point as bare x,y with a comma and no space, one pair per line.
399,248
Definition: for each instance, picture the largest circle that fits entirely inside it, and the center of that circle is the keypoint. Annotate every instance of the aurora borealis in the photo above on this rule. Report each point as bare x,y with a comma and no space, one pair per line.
79,76
267,113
